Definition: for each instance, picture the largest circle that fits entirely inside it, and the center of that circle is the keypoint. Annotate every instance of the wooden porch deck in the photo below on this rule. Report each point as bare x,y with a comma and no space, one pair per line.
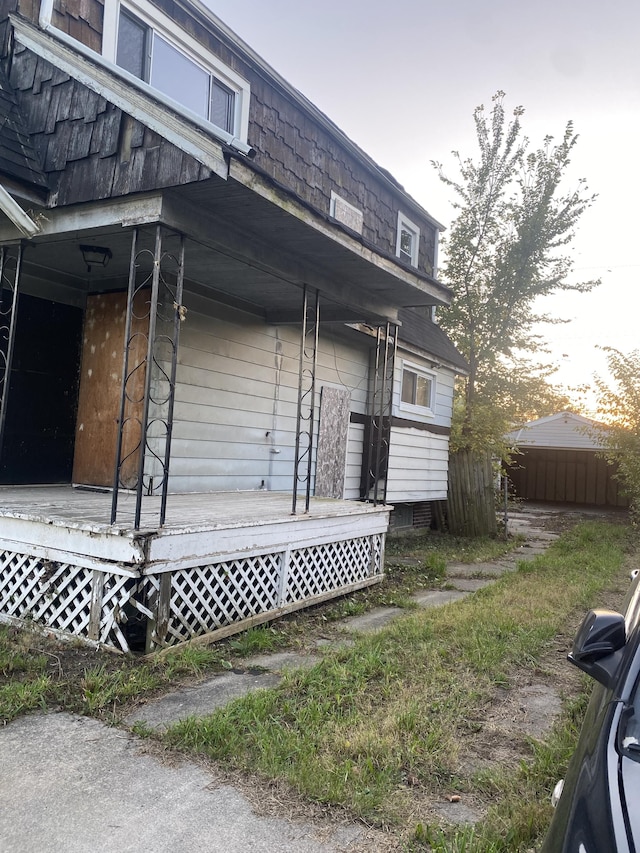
88,509
221,561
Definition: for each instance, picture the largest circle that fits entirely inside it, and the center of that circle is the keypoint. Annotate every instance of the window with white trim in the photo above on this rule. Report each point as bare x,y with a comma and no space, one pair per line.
142,41
408,240
417,390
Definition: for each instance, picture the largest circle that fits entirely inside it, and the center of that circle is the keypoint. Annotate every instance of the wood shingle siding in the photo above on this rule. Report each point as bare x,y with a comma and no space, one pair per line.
90,148
302,156
81,19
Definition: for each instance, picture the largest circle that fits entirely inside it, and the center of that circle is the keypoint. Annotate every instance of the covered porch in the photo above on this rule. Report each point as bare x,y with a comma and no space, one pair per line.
94,309
221,563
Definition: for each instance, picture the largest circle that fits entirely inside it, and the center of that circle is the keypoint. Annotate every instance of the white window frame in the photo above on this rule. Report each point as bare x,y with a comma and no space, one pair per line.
182,41
405,224
412,408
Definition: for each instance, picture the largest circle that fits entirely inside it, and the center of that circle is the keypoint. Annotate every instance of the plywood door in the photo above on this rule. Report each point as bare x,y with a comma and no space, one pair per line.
100,387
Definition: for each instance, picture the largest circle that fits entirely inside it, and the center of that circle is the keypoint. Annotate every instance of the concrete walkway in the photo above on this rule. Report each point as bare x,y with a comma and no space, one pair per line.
72,784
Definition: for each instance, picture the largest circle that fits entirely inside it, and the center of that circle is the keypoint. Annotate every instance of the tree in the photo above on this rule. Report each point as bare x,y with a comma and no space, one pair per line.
505,249
619,409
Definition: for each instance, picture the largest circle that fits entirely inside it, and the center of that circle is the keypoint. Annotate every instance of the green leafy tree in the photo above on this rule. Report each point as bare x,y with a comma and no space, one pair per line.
507,248
619,409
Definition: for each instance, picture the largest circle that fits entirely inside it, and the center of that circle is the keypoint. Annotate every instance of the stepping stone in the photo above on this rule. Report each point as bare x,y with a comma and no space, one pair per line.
279,661
371,621
471,584
437,597
201,700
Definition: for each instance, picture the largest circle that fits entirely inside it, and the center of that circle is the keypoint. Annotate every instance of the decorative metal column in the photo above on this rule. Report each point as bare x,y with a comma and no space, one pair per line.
381,399
306,396
10,267
154,314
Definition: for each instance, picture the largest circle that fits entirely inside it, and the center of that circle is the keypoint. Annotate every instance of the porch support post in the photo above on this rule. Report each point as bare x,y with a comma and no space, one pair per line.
156,280
144,427
125,374
10,269
308,362
382,400
172,340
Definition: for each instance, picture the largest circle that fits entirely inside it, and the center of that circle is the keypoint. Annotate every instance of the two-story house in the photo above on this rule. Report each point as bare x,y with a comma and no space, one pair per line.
218,366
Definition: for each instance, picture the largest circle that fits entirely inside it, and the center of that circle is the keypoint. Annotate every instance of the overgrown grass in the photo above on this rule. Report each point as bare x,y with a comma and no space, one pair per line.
31,678
398,705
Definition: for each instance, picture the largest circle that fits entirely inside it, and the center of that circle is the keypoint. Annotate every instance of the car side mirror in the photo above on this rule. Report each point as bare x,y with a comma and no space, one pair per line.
599,644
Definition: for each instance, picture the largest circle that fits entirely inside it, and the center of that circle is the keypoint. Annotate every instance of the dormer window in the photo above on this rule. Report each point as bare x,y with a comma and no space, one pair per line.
147,44
407,241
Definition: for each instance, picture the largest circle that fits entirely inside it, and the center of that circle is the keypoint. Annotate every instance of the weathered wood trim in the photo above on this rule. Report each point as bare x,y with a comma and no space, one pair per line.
402,423
82,546
58,555
246,175
93,74
123,212
169,552
269,616
95,617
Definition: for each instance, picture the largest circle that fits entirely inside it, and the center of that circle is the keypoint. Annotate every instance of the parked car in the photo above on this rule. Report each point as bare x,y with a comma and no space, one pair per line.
597,808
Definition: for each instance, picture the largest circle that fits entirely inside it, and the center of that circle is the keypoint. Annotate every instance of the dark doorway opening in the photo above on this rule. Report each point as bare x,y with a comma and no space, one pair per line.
43,393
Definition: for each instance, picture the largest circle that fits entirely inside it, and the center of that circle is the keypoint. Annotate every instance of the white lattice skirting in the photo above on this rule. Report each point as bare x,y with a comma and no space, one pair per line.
178,604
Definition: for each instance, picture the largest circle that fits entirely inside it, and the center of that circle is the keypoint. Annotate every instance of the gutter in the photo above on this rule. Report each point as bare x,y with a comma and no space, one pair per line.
22,221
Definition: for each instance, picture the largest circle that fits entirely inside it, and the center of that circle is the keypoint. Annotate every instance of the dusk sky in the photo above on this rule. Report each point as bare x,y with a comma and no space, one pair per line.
402,80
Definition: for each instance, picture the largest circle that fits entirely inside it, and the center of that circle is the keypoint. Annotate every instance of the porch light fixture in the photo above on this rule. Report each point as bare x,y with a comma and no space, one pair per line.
97,256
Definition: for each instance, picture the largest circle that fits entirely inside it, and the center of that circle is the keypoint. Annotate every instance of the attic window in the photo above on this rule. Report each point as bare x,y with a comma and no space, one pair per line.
407,240
148,45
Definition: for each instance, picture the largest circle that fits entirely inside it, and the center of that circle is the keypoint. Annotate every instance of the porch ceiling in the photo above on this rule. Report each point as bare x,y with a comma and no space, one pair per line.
241,248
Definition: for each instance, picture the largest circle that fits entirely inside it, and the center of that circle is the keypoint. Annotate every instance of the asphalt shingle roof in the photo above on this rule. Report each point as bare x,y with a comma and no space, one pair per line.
422,332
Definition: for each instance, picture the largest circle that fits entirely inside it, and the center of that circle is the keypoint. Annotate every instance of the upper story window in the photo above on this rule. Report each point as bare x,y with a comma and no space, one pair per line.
142,41
408,240
417,392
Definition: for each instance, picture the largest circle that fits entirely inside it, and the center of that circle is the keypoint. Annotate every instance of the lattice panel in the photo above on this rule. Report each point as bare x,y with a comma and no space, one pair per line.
57,595
208,597
314,571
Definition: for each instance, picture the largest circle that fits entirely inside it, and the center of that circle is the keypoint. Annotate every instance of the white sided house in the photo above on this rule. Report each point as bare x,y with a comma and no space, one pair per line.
218,371
557,460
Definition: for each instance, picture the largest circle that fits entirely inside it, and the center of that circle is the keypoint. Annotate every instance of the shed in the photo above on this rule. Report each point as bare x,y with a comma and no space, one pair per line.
557,459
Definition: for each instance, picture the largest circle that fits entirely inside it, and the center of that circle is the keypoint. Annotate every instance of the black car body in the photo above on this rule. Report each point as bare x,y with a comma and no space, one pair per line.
599,808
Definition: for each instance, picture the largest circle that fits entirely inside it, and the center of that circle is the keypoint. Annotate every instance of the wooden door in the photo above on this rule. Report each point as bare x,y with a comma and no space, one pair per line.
100,389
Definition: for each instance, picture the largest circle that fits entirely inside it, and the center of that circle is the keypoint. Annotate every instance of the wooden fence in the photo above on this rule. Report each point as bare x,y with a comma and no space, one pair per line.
471,509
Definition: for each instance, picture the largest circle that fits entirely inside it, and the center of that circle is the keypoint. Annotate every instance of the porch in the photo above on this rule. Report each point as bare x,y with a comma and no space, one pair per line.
220,563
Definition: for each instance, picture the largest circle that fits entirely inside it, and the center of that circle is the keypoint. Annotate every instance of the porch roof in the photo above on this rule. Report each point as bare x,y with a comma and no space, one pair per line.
247,245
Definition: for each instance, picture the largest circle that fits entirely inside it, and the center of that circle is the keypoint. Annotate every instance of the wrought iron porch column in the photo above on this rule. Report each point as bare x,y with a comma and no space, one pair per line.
156,278
303,459
381,408
10,269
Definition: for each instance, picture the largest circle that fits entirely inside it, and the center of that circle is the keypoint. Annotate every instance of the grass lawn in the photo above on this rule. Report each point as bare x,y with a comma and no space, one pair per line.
373,726
384,726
